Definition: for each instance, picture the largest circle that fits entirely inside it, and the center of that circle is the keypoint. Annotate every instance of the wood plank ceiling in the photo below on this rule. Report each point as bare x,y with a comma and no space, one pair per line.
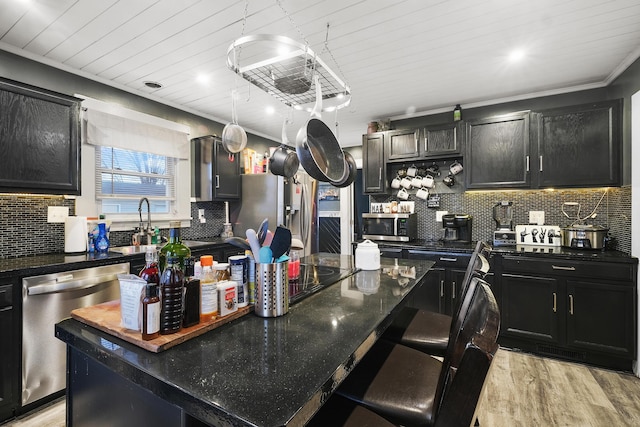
399,57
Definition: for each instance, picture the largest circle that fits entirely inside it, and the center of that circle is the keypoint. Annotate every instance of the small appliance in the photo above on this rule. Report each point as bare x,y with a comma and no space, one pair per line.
393,227
457,227
503,216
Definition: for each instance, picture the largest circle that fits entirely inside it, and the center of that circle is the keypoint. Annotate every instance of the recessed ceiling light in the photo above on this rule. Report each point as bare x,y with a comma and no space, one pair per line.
153,85
270,110
516,55
203,79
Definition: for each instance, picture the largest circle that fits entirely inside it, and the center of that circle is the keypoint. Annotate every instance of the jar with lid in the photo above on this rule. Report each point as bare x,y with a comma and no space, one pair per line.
221,271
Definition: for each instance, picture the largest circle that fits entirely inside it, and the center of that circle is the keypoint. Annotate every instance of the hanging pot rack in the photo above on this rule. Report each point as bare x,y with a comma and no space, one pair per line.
285,69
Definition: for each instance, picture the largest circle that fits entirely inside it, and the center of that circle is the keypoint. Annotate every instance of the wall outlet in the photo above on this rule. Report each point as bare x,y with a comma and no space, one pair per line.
536,217
201,216
57,213
439,215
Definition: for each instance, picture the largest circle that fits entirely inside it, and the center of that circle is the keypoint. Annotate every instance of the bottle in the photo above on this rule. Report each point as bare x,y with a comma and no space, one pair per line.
191,295
171,293
150,272
102,241
175,247
155,235
151,312
457,113
265,162
208,290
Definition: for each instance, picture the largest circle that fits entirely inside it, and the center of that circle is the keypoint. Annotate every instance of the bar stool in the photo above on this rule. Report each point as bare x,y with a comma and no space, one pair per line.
429,331
409,387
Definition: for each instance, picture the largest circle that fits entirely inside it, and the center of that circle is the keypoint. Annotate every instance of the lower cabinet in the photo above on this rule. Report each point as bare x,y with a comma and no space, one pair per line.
578,310
442,287
8,353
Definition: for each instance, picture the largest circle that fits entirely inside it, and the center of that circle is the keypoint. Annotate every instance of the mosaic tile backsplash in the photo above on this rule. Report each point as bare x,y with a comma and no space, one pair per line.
24,229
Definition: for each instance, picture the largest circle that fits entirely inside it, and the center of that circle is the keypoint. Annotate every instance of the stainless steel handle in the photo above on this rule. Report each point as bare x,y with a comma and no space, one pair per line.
453,290
217,181
561,267
395,226
570,304
448,259
540,163
442,289
555,302
380,174
527,163
60,286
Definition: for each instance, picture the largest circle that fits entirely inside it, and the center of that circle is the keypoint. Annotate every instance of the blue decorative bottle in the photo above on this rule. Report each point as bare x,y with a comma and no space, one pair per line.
102,242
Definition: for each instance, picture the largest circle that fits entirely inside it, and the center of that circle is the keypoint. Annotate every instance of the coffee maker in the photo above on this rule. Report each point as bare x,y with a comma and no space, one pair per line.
457,227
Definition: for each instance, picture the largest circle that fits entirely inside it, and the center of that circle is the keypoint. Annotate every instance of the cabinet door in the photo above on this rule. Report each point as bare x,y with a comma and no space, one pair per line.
579,146
600,317
374,169
226,178
498,152
9,372
442,140
456,278
403,144
431,295
530,308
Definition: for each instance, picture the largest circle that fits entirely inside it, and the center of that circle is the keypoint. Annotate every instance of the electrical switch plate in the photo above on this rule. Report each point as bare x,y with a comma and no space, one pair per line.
201,216
536,217
57,213
439,215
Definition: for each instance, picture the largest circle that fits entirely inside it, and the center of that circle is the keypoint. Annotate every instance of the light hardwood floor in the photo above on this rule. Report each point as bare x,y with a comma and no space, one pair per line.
522,390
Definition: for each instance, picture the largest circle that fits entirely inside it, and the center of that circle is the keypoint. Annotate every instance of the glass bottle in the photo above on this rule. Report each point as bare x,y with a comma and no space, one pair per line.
151,312
208,290
171,293
191,295
102,241
175,247
150,272
457,113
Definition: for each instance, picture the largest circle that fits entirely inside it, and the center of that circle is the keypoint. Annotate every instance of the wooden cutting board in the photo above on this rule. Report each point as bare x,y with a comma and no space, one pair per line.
106,317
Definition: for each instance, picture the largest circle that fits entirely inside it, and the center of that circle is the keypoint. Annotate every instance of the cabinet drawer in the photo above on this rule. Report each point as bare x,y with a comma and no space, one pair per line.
442,259
572,268
5,296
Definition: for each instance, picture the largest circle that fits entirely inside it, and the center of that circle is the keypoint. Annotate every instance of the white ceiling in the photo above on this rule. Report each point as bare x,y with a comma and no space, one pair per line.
399,57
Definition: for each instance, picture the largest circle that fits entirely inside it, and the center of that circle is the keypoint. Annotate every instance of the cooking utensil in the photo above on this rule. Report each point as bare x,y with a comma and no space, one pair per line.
265,255
281,241
252,238
238,242
317,147
350,172
234,137
262,230
268,239
284,162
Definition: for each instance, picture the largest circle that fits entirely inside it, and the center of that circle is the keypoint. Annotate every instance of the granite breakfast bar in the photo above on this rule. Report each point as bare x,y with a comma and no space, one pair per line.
251,372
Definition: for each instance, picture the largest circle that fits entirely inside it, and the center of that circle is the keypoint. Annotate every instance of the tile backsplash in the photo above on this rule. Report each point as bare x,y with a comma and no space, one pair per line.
614,211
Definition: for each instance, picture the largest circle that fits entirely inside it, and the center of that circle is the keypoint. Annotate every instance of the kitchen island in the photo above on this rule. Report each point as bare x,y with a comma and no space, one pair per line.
253,371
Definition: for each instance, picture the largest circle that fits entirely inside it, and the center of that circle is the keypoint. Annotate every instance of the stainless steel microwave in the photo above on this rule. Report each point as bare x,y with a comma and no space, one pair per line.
393,227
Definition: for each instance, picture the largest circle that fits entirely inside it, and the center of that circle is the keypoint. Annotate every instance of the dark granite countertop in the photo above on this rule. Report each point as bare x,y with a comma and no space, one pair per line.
265,372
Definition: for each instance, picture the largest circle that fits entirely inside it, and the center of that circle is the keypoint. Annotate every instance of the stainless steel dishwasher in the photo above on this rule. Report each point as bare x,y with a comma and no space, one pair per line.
46,300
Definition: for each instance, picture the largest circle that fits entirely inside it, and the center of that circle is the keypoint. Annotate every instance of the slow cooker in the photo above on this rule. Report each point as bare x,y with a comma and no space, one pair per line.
584,236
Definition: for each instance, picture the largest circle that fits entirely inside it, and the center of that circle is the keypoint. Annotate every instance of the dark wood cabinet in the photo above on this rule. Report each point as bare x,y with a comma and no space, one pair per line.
579,146
442,140
39,140
215,175
497,152
578,310
402,144
443,283
9,353
374,168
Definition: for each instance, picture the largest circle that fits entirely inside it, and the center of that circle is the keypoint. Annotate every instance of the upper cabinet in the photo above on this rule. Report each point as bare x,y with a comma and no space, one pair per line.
442,140
403,144
374,168
579,146
497,152
39,139
215,175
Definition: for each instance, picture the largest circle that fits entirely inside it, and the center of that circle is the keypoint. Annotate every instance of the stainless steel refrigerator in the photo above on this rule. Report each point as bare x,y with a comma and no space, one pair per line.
291,202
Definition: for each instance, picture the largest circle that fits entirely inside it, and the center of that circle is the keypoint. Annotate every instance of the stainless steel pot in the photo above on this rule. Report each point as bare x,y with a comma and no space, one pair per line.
585,236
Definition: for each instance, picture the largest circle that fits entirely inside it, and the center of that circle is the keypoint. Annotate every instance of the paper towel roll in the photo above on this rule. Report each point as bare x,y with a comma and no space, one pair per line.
75,234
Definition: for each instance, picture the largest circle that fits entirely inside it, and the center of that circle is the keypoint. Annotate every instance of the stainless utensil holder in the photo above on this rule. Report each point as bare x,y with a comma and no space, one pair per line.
272,289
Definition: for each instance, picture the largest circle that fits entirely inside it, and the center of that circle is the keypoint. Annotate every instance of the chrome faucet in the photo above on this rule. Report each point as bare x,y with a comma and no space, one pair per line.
144,234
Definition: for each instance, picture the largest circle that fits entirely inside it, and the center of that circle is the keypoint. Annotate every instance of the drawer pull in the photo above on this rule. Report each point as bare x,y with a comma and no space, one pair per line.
453,290
442,289
448,259
555,301
571,304
560,267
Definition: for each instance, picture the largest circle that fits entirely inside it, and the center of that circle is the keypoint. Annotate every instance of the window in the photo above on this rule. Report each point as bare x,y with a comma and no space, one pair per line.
123,177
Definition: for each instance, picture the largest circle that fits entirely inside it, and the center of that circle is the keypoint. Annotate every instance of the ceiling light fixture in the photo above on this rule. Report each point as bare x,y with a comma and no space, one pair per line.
516,55
152,85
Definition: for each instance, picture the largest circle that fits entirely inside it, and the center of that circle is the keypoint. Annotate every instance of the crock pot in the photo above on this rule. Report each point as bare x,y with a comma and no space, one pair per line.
584,236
